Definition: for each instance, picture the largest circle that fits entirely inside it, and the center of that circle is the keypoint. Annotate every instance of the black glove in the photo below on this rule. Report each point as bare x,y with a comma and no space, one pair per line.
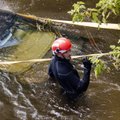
87,64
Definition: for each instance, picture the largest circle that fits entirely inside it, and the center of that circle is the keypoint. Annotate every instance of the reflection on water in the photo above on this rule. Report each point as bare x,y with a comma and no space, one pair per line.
4,5
33,96
42,8
12,92
56,9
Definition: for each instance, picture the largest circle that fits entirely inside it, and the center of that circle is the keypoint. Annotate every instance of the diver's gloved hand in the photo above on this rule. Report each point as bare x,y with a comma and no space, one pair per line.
87,64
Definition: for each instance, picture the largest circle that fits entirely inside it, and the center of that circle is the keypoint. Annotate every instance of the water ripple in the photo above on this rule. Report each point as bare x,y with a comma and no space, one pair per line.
17,100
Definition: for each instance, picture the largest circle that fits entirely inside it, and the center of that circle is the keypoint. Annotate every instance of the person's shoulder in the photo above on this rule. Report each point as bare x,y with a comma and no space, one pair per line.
63,68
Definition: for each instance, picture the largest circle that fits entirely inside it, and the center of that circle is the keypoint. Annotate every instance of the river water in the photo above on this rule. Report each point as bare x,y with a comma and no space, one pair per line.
32,96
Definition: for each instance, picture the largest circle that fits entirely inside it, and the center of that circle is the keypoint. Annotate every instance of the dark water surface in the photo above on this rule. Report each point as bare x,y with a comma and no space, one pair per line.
32,96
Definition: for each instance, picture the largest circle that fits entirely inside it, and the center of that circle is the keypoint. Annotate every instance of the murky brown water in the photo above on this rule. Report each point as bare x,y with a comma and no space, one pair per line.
31,96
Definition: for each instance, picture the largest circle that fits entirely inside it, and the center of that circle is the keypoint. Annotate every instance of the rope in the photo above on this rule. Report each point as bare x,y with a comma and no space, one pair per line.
48,59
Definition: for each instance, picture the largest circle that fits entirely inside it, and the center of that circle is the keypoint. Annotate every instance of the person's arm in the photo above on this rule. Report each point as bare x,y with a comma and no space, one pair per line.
70,78
78,85
86,77
81,85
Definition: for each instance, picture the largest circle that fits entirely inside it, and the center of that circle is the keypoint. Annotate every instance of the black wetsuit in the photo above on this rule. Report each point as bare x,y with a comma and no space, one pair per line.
67,76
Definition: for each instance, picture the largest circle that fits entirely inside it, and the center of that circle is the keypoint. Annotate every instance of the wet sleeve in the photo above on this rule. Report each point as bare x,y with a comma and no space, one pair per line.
80,85
85,80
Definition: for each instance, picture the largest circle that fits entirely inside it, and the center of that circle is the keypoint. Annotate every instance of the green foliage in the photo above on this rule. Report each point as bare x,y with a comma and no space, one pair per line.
78,12
115,54
99,65
103,10
107,7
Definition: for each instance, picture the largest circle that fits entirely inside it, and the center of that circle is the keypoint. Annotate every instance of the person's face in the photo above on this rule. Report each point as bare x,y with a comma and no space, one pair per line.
67,55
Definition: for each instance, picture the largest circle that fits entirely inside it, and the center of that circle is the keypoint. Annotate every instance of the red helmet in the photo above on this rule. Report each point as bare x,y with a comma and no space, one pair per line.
61,45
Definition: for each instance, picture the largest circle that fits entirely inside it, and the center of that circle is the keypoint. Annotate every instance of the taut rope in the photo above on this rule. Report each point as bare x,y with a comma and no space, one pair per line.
48,59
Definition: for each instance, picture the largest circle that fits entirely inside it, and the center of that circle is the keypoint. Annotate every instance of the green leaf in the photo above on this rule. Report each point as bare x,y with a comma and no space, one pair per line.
97,70
81,3
112,46
95,17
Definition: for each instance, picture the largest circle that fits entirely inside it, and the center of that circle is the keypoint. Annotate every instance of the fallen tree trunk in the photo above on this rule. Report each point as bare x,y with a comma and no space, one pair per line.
87,24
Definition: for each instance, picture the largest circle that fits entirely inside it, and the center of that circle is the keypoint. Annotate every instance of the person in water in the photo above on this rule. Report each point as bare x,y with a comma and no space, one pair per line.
63,71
